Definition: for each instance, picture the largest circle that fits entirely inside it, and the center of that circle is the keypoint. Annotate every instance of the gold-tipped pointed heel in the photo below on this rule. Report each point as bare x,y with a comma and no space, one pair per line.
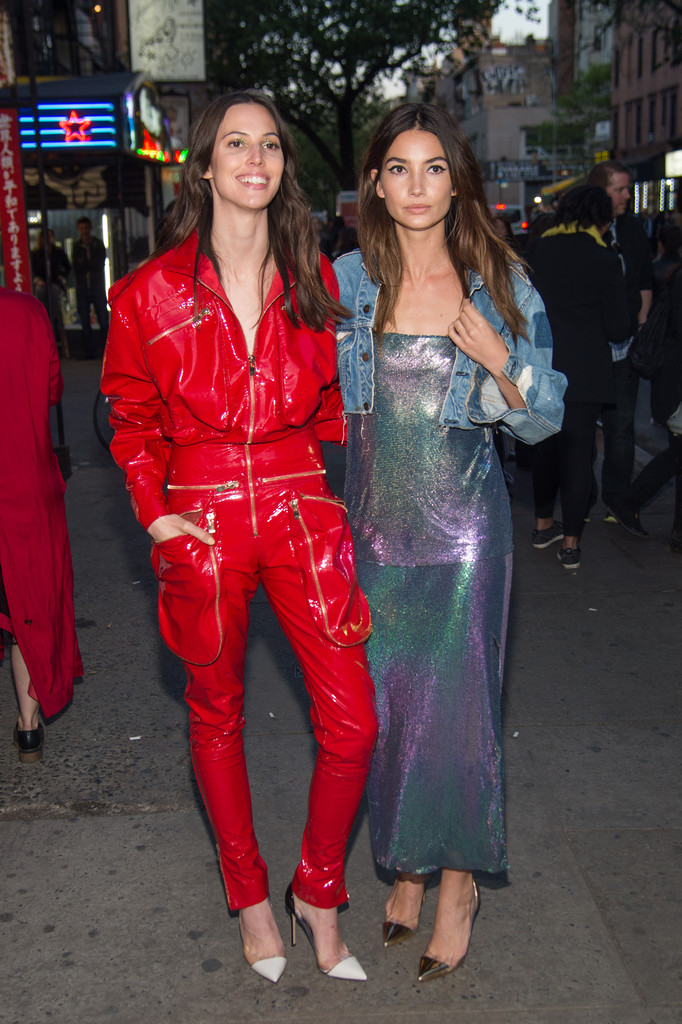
430,968
395,933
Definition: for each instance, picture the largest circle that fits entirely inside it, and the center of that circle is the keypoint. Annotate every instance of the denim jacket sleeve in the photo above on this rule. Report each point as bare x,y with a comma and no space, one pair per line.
473,398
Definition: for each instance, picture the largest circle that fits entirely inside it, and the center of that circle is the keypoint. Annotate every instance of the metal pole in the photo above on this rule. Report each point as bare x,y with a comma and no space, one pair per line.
553,79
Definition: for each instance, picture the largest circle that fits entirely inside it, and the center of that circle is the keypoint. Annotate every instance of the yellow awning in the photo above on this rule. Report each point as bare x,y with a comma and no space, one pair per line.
559,186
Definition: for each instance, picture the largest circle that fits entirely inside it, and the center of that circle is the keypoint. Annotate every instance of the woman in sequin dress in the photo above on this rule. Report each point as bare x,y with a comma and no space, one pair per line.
446,337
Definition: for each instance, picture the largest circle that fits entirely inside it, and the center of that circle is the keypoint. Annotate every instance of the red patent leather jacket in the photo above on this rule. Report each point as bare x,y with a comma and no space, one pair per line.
177,371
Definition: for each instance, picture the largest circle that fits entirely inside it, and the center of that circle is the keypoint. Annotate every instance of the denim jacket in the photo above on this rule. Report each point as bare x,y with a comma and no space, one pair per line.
473,398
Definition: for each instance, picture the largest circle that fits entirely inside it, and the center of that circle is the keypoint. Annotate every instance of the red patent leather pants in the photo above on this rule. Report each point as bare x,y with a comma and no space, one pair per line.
244,493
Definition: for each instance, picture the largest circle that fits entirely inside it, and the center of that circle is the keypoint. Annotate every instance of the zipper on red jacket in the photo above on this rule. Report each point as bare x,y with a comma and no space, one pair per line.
251,359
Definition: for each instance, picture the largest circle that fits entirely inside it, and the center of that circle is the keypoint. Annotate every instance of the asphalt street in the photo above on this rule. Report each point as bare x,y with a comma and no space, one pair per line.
112,909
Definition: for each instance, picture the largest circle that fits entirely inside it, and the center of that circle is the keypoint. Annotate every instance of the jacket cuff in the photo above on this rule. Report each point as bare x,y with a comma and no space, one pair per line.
148,506
512,369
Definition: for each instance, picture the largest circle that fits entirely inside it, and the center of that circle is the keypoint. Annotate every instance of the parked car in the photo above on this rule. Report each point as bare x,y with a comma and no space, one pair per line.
514,214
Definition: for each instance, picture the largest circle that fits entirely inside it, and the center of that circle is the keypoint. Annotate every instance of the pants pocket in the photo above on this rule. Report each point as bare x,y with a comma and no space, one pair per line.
324,550
189,598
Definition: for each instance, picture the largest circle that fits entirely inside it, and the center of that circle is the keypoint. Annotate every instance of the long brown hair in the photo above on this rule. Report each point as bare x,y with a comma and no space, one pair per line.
293,245
470,238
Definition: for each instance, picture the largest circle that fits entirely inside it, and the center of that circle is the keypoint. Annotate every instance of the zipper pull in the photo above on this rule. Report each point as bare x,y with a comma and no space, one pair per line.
252,366
210,522
294,505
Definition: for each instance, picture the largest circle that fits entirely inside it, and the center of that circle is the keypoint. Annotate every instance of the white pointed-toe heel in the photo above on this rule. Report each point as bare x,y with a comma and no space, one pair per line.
347,969
271,968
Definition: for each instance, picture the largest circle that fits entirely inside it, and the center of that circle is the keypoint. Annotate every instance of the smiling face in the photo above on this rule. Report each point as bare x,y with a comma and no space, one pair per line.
414,181
247,161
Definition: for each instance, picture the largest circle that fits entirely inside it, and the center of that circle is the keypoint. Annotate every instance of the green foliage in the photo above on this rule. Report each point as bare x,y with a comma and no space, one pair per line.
314,172
589,99
577,113
325,63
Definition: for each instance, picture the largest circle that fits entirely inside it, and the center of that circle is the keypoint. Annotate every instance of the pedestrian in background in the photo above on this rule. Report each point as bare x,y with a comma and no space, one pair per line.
89,258
221,371
666,405
446,338
628,239
668,254
60,269
36,574
581,283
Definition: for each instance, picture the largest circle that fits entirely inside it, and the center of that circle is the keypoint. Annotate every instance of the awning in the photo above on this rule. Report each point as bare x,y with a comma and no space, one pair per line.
559,186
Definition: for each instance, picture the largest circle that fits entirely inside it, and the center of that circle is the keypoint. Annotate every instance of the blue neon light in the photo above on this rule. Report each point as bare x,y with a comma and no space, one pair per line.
93,127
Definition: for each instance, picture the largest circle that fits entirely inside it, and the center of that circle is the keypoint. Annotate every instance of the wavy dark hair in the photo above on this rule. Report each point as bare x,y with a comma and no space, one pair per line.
293,244
586,205
470,238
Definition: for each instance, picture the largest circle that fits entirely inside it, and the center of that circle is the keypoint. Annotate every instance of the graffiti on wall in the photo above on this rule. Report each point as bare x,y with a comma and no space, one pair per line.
499,79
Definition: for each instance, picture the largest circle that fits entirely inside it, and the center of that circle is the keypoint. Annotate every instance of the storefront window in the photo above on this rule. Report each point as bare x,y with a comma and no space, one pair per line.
64,225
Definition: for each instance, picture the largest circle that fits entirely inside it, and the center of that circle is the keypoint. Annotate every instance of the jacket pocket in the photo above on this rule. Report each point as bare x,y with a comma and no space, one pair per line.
324,549
189,598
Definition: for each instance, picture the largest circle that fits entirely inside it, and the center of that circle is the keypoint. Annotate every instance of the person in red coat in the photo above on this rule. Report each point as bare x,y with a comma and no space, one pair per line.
36,574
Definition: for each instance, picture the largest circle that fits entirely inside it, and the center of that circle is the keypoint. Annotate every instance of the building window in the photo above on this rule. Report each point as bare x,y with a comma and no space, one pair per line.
627,136
652,118
673,114
640,56
654,43
638,122
664,111
616,67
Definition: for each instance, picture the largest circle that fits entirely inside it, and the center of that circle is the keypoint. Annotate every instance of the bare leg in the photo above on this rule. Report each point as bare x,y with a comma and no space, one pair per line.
329,945
28,707
260,935
454,916
405,902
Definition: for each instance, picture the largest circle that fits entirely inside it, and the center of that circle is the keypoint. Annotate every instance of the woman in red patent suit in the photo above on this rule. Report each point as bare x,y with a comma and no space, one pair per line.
221,372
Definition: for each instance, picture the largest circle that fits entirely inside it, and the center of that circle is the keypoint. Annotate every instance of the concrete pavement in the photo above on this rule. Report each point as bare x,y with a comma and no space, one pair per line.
112,908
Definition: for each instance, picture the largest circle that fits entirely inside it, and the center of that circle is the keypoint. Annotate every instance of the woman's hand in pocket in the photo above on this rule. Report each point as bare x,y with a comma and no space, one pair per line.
168,527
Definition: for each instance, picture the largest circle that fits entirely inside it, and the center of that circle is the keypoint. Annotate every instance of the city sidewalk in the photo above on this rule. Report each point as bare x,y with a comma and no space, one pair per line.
112,906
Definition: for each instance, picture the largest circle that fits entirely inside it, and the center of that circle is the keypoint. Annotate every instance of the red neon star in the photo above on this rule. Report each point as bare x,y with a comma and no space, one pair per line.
76,128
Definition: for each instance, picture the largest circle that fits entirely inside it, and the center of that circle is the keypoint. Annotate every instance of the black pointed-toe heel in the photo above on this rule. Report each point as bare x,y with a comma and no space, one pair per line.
430,968
29,743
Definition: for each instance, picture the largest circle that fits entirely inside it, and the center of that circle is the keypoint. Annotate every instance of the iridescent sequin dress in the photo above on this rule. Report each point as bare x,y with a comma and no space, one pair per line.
432,533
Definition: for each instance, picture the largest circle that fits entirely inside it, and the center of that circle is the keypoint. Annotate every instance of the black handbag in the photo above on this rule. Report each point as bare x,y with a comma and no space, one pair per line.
649,349
647,352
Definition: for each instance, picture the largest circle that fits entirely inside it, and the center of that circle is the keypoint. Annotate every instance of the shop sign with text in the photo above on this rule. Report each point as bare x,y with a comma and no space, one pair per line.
12,209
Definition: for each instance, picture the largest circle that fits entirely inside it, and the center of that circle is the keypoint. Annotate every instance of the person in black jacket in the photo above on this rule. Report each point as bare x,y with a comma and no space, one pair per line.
666,408
628,238
59,271
89,258
581,283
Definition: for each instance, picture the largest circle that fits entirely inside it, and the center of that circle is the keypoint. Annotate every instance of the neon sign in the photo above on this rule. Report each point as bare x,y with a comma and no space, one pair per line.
148,124
69,125
76,128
